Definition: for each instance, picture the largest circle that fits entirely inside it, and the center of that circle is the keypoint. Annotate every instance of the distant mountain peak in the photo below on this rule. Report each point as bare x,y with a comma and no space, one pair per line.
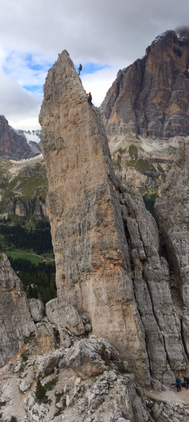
150,98
15,144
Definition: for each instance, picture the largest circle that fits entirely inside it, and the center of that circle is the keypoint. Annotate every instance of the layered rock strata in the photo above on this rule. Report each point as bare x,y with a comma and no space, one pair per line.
92,266
106,244
150,97
172,209
13,145
15,320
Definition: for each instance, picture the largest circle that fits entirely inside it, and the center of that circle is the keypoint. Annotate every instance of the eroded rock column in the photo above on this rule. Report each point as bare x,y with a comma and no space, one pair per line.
15,320
91,251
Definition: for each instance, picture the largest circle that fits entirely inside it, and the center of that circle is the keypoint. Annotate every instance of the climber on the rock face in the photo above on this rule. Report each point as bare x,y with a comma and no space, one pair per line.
89,98
80,69
186,382
178,384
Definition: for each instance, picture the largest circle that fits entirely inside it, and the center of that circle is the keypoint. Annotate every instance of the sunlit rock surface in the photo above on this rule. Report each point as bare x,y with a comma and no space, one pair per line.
108,257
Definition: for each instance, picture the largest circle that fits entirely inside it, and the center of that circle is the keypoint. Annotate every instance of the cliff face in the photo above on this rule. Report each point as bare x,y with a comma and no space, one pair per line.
108,259
172,210
13,145
150,98
15,319
23,187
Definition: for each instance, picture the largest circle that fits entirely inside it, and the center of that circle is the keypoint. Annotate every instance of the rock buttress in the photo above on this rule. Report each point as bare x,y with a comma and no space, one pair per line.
15,319
172,209
91,252
105,242
150,97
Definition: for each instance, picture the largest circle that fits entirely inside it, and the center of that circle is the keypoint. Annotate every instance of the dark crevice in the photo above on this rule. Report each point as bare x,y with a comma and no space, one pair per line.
156,319
167,251
128,238
183,339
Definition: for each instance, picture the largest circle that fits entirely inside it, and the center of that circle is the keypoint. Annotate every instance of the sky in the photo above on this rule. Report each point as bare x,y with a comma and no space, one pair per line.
103,35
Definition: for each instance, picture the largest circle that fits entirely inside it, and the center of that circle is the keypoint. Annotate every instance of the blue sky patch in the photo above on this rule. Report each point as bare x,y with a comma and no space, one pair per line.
91,67
35,89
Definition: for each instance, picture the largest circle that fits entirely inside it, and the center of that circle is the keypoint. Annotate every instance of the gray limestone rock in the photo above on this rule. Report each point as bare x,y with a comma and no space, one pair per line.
89,358
46,364
15,319
109,262
37,309
45,336
64,316
172,209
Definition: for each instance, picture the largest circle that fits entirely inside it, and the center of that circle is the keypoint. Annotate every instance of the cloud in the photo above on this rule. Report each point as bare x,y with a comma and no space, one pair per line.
109,35
16,104
98,83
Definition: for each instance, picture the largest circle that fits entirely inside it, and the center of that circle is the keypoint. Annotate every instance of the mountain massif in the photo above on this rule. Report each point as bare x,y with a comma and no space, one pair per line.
146,112
14,145
110,346
150,97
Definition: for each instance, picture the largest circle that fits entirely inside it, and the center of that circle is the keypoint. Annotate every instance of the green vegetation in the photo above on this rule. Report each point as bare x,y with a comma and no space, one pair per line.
61,409
121,367
24,186
133,151
116,163
33,258
51,384
41,390
120,151
38,280
40,393
37,273
38,240
104,355
149,196
24,356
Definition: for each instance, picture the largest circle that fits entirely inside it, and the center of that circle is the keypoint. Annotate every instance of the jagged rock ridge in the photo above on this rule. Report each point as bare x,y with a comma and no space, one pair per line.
150,97
13,144
108,257
15,319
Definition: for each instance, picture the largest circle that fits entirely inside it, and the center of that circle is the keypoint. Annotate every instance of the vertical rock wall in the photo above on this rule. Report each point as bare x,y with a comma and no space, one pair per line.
172,209
15,319
92,263
106,244
150,97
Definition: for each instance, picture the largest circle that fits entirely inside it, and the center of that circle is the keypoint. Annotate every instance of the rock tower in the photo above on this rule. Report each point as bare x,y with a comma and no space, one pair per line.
108,261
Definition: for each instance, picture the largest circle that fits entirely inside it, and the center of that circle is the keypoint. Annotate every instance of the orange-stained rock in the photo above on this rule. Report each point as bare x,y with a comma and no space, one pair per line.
92,268
150,97
106,244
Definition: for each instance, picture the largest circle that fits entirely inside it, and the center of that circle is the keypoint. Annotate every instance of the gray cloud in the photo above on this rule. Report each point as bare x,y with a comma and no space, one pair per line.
100,31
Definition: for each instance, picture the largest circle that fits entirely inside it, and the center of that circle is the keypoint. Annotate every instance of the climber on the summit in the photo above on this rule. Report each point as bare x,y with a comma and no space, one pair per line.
89,98
80,69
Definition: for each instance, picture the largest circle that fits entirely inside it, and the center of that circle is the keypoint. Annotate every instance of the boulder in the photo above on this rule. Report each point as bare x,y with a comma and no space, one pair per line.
64,316
46,364
37,309
89,358
16,323
45,336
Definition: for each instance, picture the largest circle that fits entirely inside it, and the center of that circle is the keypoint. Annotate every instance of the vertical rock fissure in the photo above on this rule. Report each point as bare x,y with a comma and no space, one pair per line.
182,337
162,339
174,271
128,239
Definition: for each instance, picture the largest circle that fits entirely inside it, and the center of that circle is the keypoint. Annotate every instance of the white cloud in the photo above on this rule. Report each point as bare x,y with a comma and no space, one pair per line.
109,33
98,83
16,104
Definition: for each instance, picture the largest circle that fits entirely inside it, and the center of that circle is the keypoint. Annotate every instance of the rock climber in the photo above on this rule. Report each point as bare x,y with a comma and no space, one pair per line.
186,382
80,69
178,384
89,98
